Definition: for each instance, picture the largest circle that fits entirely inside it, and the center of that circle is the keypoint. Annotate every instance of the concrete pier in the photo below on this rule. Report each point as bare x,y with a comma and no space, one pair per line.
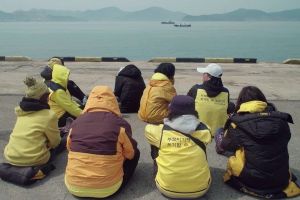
279,82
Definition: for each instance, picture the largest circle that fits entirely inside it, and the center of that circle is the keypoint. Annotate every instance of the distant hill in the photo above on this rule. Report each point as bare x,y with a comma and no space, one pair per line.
149,14
6,16
155,14
40,15
105,14
248,15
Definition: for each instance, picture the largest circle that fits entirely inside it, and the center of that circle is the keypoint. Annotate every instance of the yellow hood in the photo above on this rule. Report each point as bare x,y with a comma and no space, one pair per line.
60,75
54,61
159,79
253,107
102,98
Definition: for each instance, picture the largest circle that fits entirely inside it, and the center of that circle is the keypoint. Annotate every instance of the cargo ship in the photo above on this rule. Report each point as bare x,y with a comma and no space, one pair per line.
182,25
168,22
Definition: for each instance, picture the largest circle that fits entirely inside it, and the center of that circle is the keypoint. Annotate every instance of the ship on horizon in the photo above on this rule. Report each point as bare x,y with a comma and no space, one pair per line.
182,25
168,22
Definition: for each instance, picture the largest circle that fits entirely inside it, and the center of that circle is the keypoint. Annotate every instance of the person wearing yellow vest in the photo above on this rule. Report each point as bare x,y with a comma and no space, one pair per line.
182,168
211,97
60,100
158,94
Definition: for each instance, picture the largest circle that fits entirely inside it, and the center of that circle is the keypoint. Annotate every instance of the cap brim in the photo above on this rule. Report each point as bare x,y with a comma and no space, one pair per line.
201,70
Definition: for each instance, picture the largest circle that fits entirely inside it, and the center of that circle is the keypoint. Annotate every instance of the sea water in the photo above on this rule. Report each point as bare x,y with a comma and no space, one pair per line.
267,41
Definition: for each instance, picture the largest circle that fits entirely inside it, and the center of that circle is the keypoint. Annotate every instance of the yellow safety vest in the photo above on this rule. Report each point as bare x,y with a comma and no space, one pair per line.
212,111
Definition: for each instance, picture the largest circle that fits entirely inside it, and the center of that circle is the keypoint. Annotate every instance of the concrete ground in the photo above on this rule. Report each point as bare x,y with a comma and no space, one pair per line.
279,82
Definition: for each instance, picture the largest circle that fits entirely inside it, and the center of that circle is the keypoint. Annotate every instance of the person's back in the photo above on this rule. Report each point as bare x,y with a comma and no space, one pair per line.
72,87
99,142
259,136
182,168
211,98
264,141
158,94
129,87
60,100
29,142
35,130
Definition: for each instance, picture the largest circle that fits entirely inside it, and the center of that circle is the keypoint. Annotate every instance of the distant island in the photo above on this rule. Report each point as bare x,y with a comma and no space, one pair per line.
149,14
249,15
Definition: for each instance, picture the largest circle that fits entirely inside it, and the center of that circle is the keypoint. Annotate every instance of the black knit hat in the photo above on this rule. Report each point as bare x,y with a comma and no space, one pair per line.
182,105
167,69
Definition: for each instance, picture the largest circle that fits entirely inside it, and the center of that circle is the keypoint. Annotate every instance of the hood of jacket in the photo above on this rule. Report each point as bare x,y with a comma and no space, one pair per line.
185,123
213,87
60,75
102,98
253,107
261,124
130,71
159,79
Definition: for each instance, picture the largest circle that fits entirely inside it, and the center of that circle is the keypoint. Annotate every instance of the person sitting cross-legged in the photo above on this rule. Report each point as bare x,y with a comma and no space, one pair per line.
60,100
102,153
180,161
259,136
72,87
211,97
158,94
35,139
129,87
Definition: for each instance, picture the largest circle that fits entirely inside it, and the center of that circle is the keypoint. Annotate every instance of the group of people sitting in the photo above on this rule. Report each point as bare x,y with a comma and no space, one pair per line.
102,154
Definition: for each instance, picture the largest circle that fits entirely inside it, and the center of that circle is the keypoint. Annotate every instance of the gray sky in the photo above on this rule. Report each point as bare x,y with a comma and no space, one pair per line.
194,7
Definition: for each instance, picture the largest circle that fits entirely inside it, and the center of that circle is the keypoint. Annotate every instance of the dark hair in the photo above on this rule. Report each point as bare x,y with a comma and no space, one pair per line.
249,93
215,81
130,65
167,69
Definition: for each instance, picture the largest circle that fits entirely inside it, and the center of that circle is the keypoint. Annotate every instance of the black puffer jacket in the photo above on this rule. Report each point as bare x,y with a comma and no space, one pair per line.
264,136
129,89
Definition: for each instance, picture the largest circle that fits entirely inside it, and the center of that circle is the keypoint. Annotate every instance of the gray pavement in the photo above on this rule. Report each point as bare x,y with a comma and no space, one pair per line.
279,82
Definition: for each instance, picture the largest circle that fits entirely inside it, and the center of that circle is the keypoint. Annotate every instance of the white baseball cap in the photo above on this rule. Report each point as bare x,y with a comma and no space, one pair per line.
212,69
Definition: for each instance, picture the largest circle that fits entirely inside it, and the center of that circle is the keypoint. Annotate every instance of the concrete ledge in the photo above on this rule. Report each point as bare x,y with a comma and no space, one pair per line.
190,60
15,58
156,59
219,60
114,59
163,59
94,59
295,61
204,60
88,59
245,60
178,60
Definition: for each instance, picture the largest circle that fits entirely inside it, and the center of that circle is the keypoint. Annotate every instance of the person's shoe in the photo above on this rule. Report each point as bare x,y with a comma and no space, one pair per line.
84,100
65,129
218,139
